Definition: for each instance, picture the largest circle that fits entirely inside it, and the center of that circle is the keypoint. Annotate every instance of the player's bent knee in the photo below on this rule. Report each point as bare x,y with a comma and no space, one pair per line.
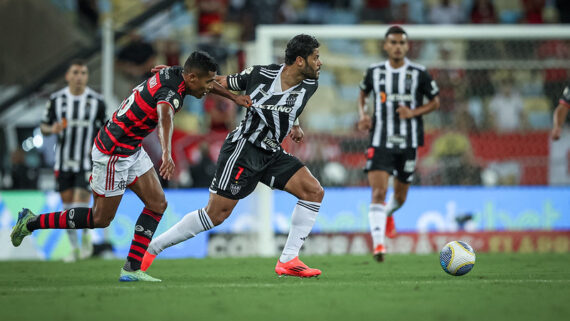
100,222
315,193
378,195
158,206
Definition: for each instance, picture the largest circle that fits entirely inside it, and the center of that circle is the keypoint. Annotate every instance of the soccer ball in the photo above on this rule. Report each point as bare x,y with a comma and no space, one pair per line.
457,258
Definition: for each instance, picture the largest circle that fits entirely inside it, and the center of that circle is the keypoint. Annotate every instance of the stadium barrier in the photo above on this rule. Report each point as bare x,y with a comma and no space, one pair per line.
506,219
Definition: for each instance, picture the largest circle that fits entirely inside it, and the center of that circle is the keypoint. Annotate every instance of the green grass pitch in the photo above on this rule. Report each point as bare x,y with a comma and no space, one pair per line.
405,287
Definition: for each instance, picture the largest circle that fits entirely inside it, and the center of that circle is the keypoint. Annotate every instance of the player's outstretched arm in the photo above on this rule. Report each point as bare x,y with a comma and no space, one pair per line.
559,118
165,128
220,90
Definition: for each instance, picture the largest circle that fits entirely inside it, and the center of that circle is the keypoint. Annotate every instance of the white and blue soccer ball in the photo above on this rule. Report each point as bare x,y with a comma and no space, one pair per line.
457,258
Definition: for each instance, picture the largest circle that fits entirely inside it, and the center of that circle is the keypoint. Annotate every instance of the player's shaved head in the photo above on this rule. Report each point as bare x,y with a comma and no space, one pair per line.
200,62
300,46
395,30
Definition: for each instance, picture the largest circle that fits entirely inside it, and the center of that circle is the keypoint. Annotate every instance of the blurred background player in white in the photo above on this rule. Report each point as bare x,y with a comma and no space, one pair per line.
560,113
396,129
252,153
75,113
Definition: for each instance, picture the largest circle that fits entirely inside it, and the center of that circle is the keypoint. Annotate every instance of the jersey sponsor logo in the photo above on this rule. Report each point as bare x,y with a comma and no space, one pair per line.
283,109
399,97
271,143
139,228
152,82
396,139
176,103
170,95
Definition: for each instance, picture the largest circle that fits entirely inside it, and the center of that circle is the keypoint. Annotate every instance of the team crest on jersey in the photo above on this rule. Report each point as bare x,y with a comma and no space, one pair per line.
235,188
291,100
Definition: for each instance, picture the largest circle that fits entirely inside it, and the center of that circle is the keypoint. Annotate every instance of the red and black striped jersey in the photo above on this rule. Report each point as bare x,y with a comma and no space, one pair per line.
137,115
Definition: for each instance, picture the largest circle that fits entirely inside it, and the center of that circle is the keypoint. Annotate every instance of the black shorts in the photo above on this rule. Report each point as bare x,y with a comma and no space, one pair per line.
67,180
241,165
398,162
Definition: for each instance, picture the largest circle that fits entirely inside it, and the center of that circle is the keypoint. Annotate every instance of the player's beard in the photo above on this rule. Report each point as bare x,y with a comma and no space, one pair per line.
310,73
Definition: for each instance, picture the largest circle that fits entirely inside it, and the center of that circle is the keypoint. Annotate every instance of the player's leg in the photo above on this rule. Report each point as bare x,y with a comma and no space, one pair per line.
108,172
233,181
67,202
404,170
218,209
378,180
287,173
81,198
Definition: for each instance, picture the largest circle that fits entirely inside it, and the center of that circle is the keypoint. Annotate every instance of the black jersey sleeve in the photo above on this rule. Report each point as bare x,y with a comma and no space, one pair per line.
427,86
49,116
366,83
238,82
565,98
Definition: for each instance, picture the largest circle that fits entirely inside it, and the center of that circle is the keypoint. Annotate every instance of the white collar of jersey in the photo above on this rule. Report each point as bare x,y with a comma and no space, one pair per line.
68,93
276,85
389,68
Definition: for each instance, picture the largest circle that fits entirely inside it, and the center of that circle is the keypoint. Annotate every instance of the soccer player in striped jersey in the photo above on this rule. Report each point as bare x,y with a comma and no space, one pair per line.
396,129
119,161
560,114
75,113
252,153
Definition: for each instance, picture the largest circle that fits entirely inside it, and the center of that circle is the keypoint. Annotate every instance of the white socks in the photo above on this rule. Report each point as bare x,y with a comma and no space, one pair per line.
302,221
188,227
377,218
392,206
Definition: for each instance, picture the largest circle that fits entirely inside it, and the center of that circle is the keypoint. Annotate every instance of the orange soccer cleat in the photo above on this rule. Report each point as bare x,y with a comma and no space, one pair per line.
296,268
379,252
147,261
390,227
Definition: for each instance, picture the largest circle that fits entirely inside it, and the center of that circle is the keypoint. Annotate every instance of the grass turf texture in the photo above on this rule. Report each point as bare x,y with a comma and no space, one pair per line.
405,287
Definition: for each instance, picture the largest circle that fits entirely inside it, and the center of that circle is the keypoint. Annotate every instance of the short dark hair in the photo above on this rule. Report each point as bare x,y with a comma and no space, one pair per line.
395,30
300,46
77,62
200,61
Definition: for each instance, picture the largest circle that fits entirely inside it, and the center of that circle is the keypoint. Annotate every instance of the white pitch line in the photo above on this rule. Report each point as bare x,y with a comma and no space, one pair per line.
317,283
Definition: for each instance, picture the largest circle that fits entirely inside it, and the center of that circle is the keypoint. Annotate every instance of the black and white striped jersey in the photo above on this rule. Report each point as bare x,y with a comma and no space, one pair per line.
407,85
270,118
85,115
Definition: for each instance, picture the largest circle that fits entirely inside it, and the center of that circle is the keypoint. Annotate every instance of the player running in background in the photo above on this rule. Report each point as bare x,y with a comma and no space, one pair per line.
252,153
396,129
119,161
560,114
75,113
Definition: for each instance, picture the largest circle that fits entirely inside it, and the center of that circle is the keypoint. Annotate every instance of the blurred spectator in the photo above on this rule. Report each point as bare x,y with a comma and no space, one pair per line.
211,15
554,78
88,14
136,59
563,7
483,11
506,108
410,11
23,176
202,172
533,11
376,10
221,112
447,12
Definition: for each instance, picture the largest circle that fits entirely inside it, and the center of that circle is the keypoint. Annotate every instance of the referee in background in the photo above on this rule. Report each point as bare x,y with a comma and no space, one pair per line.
74,113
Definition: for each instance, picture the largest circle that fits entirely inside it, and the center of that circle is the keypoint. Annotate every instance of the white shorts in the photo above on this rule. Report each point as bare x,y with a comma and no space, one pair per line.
112,174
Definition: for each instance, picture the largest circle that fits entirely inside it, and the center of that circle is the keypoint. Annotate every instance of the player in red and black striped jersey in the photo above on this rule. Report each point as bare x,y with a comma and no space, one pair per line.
560,113
119,161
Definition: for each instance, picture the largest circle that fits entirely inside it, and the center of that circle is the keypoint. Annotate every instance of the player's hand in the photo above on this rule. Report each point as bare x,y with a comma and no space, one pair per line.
365,123
555,134
167,167
297,134
56,128
158,68
404,112
243,100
